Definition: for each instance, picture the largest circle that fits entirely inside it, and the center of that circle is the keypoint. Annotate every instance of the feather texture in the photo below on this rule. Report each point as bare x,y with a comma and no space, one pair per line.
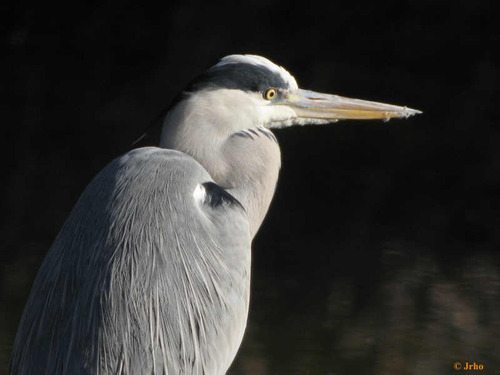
143,278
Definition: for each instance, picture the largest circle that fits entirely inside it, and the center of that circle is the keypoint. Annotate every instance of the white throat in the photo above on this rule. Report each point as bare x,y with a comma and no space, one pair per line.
206,127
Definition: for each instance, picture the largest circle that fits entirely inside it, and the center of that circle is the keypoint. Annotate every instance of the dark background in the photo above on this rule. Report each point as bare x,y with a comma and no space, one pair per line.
380,251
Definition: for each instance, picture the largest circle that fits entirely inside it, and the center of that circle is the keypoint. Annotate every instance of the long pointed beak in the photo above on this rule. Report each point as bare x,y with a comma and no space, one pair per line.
313,105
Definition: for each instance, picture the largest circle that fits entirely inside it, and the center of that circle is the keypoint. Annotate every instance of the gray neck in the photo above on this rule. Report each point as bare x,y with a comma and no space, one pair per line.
246,163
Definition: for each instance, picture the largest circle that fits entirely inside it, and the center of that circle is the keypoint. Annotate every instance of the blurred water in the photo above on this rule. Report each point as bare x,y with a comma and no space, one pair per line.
415,319
413,314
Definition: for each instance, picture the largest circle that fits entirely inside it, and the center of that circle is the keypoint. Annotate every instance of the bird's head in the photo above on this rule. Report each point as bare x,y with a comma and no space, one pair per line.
246,91
223,118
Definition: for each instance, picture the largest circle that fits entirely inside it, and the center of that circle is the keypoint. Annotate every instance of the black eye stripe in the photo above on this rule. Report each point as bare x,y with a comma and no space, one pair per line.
240,76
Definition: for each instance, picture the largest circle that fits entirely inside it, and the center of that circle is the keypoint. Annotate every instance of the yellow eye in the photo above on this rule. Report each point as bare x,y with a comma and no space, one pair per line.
270,94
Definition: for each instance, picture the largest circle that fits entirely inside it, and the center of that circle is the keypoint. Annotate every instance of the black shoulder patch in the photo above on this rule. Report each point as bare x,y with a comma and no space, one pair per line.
217,196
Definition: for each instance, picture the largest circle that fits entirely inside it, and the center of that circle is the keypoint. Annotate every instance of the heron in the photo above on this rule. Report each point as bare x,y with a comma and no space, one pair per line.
150,273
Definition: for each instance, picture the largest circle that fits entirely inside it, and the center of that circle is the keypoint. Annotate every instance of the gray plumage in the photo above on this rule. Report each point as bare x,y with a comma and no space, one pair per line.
106,297
150,273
